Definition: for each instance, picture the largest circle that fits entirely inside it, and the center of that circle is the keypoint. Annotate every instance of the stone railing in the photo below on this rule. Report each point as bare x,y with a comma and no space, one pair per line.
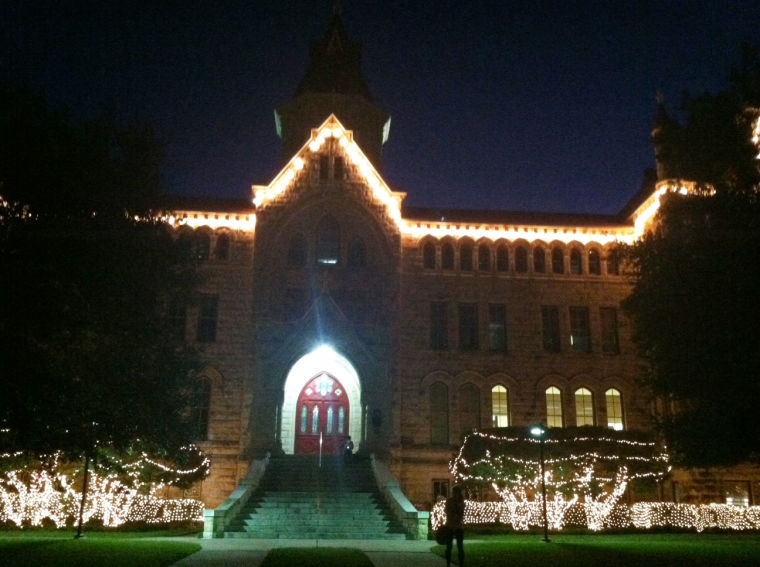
215,521
415,522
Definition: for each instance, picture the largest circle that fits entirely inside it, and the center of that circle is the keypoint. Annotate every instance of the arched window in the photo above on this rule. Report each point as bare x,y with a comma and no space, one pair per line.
304,419
502,258
613,263
328,242
469,408
558,260
499,406
594,262
465,256
584,407
484,258
222,250
553,407
614,409
521,259
428,256
315,419
357,253
447,256
202,245
575,262
539,260
297,251
439,414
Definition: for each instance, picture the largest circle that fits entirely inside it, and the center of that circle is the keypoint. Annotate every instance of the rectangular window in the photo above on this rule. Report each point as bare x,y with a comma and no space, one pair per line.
610,342
439,325
580,336
207,318
440,490
468,326
736,492
497,327
550,327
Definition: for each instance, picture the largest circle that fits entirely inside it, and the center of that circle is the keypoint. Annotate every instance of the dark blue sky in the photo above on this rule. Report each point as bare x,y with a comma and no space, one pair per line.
506,105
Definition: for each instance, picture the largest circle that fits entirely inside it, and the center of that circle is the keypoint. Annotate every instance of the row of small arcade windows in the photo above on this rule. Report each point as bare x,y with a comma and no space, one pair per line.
197,244
496,328
469,409
517,258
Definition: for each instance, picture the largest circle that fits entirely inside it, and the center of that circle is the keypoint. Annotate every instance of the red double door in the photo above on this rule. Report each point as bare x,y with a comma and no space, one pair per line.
322,409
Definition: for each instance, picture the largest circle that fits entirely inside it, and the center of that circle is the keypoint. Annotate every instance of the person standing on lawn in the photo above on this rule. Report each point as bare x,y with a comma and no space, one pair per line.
455,524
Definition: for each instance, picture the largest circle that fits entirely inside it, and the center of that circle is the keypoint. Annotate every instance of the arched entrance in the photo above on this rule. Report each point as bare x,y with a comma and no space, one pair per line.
323,413
321,362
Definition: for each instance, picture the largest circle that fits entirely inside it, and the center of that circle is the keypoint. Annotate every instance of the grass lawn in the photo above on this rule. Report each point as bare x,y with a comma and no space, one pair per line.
639,550
94,550
316,557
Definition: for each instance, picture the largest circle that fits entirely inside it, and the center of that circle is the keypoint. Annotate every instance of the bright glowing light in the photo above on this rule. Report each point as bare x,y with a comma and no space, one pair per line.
537,430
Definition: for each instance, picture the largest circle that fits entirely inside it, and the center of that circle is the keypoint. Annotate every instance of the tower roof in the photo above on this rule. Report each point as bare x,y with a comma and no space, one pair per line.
335,64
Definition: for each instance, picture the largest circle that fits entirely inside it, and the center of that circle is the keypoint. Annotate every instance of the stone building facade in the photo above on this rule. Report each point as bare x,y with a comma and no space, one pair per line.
414,326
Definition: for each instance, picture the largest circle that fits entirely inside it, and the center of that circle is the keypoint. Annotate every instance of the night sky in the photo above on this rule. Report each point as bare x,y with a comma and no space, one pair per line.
541,106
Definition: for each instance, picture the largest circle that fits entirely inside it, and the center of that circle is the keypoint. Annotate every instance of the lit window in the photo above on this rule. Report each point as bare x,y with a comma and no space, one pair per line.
469,407
594,262
447,256
428,256
439,414
499,406
575,261
584,407
465,256
614,409
539,260
521,259
553,407
736,492
304,419
328,242
484,258
502,258
558,260
580,336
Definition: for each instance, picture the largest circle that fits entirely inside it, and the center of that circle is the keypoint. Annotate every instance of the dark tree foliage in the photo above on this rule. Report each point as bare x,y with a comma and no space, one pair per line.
92,286
695,306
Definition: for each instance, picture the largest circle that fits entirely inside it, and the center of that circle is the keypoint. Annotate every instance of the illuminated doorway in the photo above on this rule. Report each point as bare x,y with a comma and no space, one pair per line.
322,421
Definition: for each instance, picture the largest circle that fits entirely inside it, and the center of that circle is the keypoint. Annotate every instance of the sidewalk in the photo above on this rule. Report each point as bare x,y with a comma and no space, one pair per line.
251,552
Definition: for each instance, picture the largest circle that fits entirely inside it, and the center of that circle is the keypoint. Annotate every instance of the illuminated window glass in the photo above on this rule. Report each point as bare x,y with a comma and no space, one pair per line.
315,419
521,259
539,260
499,406
575,261
558,260
614,409
447,256
553,407
736,492
341,419
328,242
428,256
304,419
502,258
484,258
439,414
594,262
329,425
465,257
584,407
469,407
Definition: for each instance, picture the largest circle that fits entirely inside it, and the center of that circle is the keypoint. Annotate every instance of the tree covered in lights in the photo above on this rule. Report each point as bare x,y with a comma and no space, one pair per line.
94,289
696,303
586,466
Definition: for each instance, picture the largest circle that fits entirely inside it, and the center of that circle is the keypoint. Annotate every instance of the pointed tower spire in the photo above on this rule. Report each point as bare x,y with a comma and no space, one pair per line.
333,84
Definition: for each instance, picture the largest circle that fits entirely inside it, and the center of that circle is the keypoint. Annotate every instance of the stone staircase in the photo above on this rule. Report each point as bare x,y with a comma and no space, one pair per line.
299,499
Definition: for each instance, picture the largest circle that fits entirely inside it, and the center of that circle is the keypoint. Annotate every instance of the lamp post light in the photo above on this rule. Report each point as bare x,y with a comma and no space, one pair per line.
539,431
